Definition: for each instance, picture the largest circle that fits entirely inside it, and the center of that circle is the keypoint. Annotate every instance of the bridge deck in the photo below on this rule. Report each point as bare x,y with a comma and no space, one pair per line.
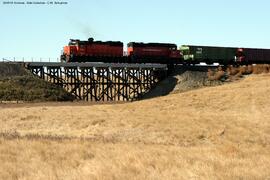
97,65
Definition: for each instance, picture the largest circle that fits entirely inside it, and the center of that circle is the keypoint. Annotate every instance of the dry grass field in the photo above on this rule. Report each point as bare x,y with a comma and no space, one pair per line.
218,132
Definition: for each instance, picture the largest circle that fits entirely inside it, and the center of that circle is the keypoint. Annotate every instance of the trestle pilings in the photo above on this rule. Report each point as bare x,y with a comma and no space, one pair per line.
101,82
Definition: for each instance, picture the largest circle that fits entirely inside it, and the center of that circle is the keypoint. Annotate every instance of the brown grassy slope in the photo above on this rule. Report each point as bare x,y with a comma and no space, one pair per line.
17,84
24,159
30,88
211,133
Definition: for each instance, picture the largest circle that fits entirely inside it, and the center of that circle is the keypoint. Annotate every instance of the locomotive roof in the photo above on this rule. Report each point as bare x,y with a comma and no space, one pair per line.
79,42
140,44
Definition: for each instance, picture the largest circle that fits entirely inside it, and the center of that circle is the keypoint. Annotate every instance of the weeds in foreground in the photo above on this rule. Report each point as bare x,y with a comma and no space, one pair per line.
232,72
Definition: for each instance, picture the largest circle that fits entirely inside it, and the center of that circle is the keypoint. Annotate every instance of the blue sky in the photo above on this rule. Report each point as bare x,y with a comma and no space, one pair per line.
42,30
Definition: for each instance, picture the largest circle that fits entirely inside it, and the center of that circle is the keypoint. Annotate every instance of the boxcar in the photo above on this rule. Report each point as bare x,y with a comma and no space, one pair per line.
87,51
255,56
208,54
153,52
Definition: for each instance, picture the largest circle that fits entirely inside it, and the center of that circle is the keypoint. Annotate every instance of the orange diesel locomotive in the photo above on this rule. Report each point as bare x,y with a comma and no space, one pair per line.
93,51
113,52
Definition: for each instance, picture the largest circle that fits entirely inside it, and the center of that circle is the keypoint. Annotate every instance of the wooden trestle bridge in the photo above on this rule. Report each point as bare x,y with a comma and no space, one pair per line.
101,81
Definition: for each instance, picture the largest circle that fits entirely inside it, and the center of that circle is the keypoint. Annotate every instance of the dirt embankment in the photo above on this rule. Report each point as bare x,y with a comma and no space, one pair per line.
17,84
184,79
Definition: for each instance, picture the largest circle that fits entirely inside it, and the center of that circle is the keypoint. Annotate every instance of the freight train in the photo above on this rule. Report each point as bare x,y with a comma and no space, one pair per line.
113,52
164,53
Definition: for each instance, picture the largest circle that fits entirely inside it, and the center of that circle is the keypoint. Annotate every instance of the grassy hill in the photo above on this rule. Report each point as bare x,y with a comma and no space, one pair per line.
218,132
17,84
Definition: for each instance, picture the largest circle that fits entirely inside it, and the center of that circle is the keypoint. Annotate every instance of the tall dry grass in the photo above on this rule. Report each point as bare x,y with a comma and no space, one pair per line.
216,74
233,72
46,159
211,133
